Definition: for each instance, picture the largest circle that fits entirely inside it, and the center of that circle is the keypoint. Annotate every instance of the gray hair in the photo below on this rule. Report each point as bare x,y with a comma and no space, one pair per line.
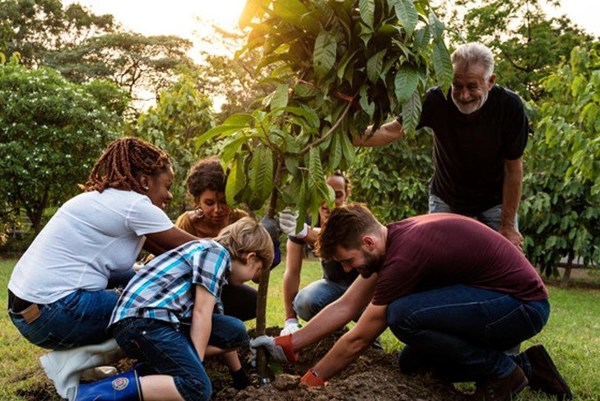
475,53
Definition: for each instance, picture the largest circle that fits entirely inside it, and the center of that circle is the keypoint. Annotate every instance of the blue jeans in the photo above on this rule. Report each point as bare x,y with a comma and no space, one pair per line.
78,319
490,217
167,349
465,330
311,299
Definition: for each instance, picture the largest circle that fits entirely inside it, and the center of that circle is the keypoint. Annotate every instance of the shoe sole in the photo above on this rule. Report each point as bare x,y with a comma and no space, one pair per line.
567,395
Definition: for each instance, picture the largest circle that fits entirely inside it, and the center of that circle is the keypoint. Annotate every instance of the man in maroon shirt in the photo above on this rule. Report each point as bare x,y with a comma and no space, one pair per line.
456,292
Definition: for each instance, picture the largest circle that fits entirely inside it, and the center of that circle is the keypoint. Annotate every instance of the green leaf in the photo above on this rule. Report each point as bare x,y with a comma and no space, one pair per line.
406,82
280,97
407,14
324,53
315,169
411,113
261,176
437,26
375,65
236,181
442,65
335,150
367,12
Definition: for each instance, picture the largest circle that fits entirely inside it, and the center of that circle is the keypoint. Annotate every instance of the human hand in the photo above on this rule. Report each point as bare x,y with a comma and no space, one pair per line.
280,348
288,222
513,235
290,327
311,379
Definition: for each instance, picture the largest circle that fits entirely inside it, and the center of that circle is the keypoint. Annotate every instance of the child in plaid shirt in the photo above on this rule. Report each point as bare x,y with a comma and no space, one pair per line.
169,316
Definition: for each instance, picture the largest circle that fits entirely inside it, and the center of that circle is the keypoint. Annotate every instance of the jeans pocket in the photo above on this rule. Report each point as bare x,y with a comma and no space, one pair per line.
511,329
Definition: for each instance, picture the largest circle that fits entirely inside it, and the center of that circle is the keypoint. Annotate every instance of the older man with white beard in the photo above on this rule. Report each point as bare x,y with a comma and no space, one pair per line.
480,132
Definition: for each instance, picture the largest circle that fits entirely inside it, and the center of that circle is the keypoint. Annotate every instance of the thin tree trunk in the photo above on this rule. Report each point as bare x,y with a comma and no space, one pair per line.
263,287
564,281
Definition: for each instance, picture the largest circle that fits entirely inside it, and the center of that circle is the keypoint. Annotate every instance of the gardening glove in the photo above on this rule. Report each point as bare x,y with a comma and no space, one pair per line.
290,326
287,222
280,348
311,379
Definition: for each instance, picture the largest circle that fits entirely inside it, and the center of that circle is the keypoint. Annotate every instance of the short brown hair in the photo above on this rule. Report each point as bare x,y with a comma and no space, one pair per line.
345,227
247,235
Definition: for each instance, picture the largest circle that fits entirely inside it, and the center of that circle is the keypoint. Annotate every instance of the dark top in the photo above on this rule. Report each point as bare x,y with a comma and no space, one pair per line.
332,270
469,150
443,249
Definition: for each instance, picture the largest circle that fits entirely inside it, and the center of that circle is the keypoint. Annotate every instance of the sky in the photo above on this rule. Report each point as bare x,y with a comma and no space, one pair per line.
180,17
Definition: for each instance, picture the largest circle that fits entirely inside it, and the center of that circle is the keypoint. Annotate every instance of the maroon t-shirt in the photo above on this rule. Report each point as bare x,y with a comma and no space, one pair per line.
442,249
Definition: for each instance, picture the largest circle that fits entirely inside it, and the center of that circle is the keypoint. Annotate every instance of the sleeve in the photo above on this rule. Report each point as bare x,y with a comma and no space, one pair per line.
516,129
145,218
185,223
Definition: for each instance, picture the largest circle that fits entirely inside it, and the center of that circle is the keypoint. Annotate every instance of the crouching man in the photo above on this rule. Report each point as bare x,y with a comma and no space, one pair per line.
454,291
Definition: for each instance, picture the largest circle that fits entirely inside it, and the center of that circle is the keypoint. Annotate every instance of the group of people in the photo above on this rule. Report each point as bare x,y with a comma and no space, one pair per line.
452,285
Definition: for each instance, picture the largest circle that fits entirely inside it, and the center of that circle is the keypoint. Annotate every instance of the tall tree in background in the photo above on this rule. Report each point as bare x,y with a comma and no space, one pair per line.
51,132
182,114
561,201
527,43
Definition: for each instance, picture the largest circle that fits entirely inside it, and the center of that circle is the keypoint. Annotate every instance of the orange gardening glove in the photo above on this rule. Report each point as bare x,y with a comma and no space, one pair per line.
311,379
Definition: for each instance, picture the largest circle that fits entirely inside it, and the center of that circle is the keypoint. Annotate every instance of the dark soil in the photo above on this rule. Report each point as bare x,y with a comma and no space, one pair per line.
373,377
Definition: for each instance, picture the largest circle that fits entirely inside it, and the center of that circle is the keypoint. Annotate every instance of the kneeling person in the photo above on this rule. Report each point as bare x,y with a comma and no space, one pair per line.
456,292
167,317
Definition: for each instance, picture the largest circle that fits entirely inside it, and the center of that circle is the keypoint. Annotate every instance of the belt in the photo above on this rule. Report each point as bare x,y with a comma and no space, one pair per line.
28,310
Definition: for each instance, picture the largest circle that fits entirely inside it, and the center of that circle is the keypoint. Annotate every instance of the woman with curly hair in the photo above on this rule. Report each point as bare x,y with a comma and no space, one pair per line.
58,295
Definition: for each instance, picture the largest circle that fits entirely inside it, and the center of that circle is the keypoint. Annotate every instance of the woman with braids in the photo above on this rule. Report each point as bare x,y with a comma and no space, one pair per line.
58,295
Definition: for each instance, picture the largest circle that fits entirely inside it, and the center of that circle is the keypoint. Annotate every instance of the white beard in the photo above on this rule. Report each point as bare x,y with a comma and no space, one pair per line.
470,107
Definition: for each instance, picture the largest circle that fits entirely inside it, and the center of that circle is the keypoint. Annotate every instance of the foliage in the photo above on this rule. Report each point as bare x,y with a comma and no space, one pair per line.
527,43
338,66
51,132
181,114
561,205
84,46
33,28
393,180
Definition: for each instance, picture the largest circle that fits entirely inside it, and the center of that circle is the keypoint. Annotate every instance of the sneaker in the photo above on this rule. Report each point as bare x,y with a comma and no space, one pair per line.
503,389
544,375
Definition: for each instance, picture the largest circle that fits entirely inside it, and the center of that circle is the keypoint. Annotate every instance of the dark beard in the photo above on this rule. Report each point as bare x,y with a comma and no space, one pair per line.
372,265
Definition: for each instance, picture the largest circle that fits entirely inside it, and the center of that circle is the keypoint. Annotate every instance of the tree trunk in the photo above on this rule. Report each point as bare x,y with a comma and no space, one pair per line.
263,288
564,281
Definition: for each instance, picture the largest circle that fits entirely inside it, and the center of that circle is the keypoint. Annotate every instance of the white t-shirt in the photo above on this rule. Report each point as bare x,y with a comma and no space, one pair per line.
90,236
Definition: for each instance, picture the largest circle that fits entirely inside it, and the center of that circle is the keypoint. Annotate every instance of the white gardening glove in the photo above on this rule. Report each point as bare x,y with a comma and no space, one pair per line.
288,221
280,348
290,327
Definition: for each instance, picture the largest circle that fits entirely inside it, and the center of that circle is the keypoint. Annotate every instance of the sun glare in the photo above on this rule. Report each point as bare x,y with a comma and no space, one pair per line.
224,13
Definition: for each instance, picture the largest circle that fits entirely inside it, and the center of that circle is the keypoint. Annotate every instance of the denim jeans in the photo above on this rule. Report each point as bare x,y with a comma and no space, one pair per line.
311,299
465,330
163,348
78,319
490,217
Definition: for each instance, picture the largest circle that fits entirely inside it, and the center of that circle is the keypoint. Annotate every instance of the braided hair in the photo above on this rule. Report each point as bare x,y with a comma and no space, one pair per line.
122,163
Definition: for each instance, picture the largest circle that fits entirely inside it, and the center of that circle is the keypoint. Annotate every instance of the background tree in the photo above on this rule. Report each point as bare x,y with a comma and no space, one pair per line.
51,132
527,43
182,114
338,66
561,201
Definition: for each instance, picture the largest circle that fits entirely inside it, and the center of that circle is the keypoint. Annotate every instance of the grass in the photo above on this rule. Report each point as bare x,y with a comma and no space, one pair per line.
572,336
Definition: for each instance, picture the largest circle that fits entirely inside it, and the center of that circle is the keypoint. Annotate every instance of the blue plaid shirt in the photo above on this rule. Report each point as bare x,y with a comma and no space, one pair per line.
164,288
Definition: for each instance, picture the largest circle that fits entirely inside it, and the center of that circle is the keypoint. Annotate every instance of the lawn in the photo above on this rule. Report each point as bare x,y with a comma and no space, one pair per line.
572,336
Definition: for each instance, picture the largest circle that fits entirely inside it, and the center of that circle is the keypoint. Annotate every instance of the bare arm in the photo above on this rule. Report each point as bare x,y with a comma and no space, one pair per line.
160,242
511,197
291,276
204,303
371,324
387,133
336,314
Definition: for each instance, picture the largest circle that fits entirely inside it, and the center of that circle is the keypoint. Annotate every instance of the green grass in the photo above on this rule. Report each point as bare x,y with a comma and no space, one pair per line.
572,337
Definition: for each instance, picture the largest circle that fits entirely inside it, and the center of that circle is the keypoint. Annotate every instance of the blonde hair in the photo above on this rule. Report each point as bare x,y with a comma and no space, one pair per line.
246,235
